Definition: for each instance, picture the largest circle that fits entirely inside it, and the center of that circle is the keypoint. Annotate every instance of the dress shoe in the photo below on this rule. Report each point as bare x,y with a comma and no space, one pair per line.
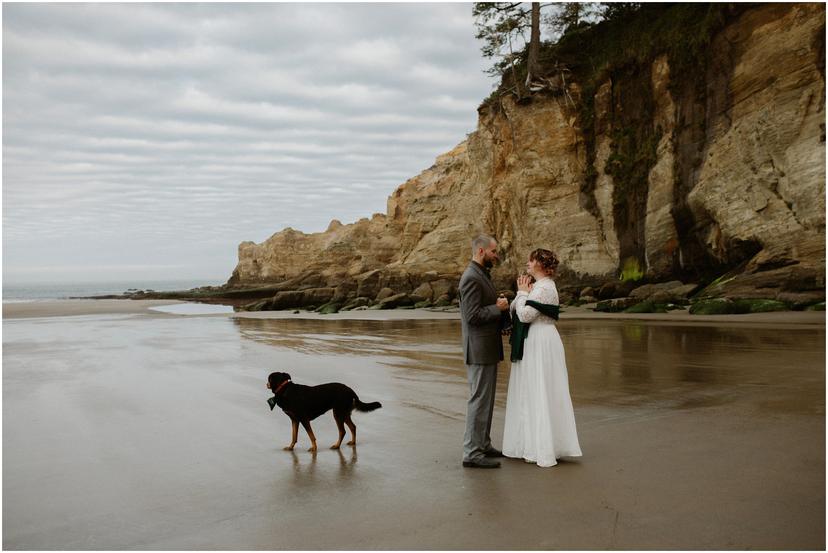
482,464
493,453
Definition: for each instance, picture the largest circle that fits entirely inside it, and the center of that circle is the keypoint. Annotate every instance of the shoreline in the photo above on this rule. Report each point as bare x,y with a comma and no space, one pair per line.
81,307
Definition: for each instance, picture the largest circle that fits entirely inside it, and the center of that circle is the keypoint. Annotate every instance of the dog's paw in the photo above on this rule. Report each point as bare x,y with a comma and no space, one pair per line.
288,448
335,446
312,449
352,442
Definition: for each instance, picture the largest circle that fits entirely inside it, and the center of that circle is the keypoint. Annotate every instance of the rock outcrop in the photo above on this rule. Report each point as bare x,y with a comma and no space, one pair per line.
732,186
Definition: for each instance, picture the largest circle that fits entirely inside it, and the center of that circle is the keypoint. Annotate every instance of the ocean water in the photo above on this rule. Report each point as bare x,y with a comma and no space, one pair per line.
18,292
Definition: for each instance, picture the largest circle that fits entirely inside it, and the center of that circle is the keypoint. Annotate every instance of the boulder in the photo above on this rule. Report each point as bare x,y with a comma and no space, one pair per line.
286,300
741,306
759,305
397,300
383,294
368,284
443,287
713,306
356,302
615,305
316,296
800,300
345,290
328,308
614,289
648,306
646,291
423,292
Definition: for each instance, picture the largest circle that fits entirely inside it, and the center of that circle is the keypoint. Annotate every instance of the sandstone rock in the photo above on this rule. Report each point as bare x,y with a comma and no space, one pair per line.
286,300
260,305
763,179
356,302
614,289
383,294
647,290
444,287
800,300
313,296
397,300
684,291
422,293
615,305
648,306
760,306
328,308
715,306
665,297
345,291
661,237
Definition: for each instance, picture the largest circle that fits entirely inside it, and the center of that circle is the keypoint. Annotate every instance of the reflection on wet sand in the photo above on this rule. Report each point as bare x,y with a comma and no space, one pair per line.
610,363
152,432
304,467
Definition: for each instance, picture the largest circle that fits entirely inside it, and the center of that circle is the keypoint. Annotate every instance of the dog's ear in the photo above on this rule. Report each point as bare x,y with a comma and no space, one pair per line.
286,375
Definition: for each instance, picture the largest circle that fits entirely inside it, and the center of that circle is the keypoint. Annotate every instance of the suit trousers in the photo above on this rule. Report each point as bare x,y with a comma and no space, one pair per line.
482,383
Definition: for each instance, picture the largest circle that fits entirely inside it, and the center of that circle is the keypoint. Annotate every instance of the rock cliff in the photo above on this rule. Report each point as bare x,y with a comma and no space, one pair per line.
716,177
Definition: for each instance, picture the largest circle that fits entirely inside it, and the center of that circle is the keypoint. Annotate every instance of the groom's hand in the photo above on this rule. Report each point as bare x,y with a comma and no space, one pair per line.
502,303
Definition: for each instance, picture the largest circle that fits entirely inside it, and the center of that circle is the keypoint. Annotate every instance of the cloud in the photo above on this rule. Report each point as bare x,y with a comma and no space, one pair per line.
176,131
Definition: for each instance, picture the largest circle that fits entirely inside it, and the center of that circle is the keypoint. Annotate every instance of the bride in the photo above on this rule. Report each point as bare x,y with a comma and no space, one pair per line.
540,423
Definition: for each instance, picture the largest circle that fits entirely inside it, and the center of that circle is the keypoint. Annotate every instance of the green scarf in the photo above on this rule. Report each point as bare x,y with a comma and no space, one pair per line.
520,330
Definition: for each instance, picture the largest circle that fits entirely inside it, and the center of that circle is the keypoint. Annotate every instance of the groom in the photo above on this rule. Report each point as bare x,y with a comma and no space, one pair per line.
483,316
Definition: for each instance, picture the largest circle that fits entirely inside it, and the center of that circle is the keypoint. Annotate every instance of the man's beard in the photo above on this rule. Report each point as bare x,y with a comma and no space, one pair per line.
488,263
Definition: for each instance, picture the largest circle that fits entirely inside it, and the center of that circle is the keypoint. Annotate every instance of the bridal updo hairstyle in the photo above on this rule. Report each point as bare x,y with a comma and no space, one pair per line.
547,260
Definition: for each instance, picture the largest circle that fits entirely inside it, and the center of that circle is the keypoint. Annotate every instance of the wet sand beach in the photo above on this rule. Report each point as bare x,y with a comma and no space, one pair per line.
148,430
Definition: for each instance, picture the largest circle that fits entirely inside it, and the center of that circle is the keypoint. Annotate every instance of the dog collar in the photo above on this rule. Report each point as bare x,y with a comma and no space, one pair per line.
280,386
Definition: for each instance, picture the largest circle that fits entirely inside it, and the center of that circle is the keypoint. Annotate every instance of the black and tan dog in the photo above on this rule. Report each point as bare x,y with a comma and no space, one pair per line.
304,403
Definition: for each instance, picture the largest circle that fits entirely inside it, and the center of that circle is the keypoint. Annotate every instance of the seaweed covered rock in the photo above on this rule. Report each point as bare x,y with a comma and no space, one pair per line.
615,305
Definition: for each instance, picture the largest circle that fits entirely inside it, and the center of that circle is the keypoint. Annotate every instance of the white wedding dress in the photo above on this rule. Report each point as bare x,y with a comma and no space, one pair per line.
540,422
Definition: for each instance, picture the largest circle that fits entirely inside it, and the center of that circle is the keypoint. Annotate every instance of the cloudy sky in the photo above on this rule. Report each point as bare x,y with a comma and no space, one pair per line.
148,140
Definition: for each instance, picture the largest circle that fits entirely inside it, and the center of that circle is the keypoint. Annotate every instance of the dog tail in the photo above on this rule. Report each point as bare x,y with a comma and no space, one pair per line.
366,406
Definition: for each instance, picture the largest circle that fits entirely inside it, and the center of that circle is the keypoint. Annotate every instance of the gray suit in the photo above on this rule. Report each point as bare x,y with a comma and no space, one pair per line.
481,322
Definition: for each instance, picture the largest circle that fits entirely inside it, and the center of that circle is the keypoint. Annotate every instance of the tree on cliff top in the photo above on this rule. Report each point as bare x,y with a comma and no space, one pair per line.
503,28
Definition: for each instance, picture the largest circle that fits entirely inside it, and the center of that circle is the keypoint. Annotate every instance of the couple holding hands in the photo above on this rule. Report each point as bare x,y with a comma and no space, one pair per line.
540,423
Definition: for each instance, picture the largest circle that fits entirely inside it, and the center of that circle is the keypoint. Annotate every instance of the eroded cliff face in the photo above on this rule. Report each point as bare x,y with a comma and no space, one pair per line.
690,176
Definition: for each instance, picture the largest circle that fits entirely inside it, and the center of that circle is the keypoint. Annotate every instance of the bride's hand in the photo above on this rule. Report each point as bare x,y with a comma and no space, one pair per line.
523,283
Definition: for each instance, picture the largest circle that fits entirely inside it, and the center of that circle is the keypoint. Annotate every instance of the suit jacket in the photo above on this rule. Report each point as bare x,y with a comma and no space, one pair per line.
481,320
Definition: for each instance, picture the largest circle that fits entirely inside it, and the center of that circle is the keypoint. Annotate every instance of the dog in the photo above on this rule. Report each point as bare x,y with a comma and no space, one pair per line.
304,403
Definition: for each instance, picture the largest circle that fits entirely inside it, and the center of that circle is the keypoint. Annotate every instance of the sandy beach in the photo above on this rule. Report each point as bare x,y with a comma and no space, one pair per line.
129,428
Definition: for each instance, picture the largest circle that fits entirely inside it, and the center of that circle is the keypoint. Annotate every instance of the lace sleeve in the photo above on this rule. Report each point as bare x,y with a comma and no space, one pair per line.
543,292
